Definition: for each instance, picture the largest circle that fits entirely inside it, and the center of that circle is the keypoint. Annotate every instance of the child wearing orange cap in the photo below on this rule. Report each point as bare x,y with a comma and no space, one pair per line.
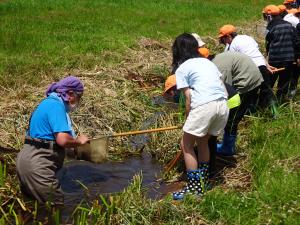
280,49
247,45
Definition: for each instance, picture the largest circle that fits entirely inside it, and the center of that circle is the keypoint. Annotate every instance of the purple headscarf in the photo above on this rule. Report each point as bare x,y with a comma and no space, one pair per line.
61,87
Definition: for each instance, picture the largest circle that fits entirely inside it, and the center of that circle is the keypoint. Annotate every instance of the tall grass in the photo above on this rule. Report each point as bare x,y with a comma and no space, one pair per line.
42,38
2,174
274,164
273,197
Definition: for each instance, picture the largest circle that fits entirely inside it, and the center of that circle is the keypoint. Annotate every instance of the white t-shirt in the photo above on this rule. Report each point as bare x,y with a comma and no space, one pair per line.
291,19
247,45
203,78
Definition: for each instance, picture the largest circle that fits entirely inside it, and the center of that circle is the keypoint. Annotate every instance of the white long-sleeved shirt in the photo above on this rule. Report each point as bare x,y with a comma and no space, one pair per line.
247,45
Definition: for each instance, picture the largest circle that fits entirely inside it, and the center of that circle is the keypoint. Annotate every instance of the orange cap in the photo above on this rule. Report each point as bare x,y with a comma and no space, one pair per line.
226,30
288,2
271,10
282,8
204,52
170,82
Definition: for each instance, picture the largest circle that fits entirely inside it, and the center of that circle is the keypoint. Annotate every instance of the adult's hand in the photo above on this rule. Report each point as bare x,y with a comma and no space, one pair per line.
82,139
65,140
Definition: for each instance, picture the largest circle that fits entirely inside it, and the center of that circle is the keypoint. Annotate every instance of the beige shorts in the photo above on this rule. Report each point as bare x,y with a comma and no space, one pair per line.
209,118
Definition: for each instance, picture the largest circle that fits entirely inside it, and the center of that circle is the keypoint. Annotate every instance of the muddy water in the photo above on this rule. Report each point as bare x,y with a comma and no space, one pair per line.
108,178
112,177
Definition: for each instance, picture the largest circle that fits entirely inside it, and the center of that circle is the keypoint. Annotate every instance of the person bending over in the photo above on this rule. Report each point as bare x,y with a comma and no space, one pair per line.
205,109
48,134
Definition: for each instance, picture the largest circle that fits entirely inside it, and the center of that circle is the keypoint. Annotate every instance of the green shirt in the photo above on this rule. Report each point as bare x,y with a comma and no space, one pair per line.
238,70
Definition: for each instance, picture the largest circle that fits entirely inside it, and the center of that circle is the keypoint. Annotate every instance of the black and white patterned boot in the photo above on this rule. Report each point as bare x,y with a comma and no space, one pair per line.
204,174
194,185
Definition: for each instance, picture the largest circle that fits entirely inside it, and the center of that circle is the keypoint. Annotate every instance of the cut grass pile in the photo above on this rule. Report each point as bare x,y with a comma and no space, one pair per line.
115,100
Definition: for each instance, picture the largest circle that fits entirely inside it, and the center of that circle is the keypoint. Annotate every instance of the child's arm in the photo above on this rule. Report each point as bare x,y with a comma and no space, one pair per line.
187,94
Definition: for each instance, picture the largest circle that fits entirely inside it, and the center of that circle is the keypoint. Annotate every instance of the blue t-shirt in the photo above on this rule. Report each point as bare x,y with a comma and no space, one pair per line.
50,117
203,78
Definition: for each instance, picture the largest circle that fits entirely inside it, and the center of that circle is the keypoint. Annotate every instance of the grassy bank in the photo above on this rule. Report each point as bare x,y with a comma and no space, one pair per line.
43,38
271,198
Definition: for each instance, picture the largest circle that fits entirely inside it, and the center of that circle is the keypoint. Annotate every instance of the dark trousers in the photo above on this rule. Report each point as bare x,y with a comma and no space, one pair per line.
284,79
236,114
266,95
212,144
295,78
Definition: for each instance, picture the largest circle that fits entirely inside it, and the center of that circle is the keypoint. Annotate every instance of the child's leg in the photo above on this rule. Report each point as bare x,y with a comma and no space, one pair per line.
203,160
203,149
197,178
187,145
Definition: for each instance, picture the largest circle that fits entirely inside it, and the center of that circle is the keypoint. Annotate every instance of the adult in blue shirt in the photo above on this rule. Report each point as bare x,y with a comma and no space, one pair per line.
49,133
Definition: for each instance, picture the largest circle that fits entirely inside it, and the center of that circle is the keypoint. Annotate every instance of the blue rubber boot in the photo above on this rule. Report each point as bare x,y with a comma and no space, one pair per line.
227,147
196,184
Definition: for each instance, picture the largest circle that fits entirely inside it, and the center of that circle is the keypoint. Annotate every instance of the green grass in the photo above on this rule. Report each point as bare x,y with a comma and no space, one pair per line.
274,163
273,197
42,38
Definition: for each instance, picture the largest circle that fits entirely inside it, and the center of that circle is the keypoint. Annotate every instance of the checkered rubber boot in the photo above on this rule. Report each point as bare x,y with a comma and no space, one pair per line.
196,184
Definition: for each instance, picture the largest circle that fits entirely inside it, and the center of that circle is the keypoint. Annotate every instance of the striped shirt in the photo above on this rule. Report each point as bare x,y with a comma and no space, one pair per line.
280,41
297,42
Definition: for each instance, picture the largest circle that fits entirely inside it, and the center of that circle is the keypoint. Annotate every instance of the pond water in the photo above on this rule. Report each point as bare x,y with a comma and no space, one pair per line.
110,177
